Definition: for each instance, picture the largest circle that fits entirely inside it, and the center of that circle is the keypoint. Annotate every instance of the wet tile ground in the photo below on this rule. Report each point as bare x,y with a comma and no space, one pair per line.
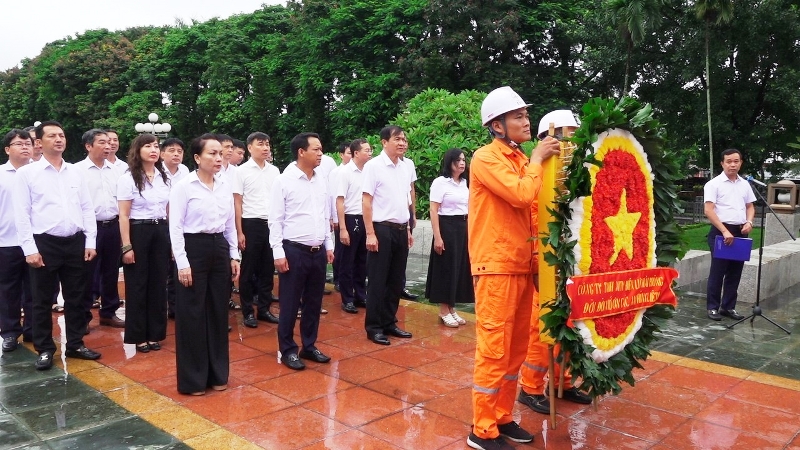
706,387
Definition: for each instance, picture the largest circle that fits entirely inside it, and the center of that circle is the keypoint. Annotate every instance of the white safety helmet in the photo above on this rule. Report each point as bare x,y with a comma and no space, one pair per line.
499,102
559,118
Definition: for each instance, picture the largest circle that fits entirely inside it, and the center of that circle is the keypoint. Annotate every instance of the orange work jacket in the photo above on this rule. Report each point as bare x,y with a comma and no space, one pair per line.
503,190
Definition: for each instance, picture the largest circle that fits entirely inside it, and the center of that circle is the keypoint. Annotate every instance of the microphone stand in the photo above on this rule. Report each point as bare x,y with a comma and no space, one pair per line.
757,306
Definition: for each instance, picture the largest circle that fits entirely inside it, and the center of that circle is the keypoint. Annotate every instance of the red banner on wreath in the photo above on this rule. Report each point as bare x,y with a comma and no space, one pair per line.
606,294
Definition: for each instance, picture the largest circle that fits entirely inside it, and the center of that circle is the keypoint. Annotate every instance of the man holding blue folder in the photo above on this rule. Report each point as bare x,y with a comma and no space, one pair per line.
729,207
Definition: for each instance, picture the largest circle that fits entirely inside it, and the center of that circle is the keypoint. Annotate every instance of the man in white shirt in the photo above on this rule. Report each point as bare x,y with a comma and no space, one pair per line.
101,177
57,230
352,236
172,150
301,244
238,152
118,162
251,197
15,288
333,180
729,207
386,199
227,169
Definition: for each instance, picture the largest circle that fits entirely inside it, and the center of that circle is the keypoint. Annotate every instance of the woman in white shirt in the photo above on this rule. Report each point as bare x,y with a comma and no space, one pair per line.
449,279
203,233
143,194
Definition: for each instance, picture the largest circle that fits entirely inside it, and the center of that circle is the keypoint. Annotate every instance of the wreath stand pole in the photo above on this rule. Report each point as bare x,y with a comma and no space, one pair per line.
551,371
562,371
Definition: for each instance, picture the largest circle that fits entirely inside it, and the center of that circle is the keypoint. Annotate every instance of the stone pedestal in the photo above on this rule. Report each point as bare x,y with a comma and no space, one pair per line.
773,229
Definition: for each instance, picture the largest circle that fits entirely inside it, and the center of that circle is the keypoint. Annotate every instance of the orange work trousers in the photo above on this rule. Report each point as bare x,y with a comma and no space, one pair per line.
534,370
503,316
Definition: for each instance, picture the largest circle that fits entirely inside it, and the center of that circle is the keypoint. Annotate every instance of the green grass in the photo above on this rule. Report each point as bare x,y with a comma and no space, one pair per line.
695,236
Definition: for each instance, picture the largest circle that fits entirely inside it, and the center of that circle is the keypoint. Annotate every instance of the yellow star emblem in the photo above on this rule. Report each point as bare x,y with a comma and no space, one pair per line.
622,225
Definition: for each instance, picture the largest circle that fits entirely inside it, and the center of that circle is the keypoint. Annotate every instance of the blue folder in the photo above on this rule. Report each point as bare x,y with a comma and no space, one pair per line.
739,250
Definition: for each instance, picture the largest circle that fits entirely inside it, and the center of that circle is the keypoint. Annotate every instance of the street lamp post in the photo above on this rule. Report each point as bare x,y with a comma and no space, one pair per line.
160,130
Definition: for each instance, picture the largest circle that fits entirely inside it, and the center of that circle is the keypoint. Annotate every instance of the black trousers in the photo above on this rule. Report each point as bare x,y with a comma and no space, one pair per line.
15,293
353,261
104,268
337,253
172,277
146,284
305,279
201,315
256,260
386,270
63,259
724,275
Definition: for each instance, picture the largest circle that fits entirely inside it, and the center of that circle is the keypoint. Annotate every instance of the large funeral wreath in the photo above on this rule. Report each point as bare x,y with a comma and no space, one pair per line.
599,117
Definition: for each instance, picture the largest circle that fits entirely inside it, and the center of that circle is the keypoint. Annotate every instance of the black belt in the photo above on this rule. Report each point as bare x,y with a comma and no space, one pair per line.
463,217
396,226
256,219
149,221
204,235
353,216
308,248
109,222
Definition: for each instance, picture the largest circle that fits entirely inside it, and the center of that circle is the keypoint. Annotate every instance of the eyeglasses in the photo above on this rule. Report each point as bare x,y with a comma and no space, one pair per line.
21,144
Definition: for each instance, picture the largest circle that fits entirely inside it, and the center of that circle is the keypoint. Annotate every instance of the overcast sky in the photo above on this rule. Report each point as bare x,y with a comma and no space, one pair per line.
23,35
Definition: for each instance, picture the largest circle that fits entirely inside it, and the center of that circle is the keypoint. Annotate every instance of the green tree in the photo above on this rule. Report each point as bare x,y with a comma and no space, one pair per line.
434,121
716,12
634,18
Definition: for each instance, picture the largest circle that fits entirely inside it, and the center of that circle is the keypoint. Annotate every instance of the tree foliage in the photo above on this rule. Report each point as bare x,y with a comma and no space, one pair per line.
347,68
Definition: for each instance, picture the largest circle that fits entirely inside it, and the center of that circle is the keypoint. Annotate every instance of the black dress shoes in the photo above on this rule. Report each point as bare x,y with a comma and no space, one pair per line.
250,321
397,332
45,361
714,315
379,338
315,355
731,313
272,298
267,316
293,362
350,308
408,295
9,344
82,353
360,303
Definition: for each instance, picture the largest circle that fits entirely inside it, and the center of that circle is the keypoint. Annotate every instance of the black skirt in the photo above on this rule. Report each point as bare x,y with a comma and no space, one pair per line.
449,279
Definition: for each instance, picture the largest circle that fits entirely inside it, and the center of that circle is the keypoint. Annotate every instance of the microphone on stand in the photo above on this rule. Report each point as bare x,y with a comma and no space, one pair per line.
753,180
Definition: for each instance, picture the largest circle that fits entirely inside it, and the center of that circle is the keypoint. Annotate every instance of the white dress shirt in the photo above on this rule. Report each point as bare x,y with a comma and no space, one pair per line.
151,203
299,211
254,184
227,172
49,201
194,208
178,175
730,198
326,166
8,229
452,197
333,182
389,185
102,182
349,187
120,164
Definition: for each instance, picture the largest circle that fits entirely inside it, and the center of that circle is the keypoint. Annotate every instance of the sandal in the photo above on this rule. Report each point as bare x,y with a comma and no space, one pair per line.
155,346
58,308
458,318
143,348
233,305
449,321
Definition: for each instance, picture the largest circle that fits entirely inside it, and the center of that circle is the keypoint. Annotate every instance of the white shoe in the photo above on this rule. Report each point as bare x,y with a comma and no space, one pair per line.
458,318
449,321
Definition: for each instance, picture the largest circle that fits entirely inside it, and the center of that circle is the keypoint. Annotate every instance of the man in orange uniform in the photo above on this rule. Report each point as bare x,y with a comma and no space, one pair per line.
504,186
534,369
